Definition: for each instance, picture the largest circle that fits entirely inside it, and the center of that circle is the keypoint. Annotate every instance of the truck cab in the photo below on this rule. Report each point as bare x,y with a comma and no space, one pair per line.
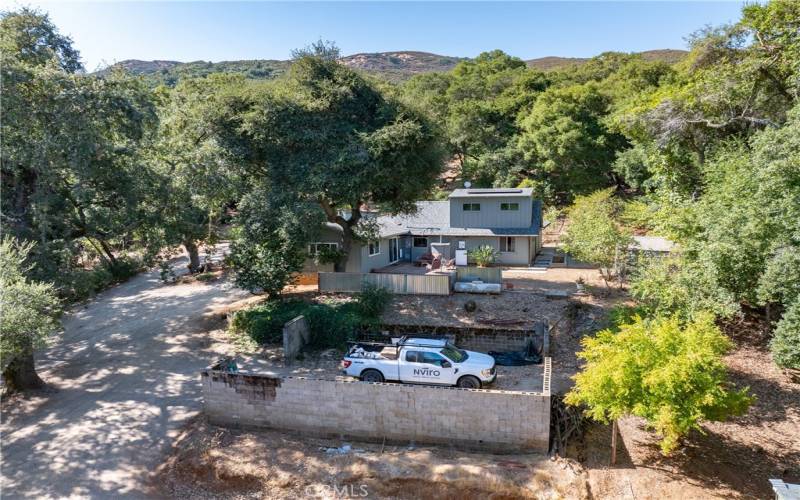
419,361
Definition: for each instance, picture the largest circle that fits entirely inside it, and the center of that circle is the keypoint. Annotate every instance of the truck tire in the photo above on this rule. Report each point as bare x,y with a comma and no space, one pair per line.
372,376
469,382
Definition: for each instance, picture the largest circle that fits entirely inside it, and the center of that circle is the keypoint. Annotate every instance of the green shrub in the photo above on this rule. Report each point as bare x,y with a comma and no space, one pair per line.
785,343
483,255
123,269
372,300
331,324
264,323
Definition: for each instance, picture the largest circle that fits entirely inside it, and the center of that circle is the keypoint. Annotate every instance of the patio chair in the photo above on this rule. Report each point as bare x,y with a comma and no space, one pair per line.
424,259
435,264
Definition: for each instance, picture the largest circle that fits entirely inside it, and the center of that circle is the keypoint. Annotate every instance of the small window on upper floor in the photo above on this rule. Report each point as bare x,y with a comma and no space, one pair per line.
472,207
509,206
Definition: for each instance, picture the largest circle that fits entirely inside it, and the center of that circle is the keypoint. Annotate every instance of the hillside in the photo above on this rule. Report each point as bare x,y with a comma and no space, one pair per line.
669,56
169,72
391,66
398,66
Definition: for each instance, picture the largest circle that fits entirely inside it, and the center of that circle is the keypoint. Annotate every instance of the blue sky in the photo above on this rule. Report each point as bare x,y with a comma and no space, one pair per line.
106,32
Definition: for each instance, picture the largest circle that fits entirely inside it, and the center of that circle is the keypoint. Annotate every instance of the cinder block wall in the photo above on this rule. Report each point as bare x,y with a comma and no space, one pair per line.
500,421
481,339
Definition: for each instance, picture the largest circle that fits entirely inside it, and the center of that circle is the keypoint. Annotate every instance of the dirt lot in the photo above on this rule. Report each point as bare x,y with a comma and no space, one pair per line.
554,279
211,462
525,309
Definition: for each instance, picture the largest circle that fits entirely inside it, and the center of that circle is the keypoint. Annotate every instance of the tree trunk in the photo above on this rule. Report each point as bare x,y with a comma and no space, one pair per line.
194,256
347,226
614,443
20,374
340,265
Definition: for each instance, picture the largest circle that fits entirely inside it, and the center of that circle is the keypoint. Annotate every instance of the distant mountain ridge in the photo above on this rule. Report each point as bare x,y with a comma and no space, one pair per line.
393,66
669,56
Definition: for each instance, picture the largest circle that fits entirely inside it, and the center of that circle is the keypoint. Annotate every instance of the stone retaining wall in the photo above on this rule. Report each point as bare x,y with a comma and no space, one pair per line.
500,421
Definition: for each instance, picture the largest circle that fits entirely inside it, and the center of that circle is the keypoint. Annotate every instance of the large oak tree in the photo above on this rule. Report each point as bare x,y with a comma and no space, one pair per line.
327,136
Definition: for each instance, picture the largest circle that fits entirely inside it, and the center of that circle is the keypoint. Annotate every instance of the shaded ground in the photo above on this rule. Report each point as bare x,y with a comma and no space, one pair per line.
123,380
211,462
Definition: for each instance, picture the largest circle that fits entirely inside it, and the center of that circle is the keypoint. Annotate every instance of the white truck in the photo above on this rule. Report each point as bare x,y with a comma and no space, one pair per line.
419,361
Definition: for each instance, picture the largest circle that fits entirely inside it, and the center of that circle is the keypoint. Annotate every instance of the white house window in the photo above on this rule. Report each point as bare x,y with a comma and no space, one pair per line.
507,244
374,248
472,207
514,207
313,248
420,242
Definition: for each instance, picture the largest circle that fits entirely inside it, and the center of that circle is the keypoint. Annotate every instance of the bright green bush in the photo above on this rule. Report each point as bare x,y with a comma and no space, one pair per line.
483,255
593,234
668,373
785,343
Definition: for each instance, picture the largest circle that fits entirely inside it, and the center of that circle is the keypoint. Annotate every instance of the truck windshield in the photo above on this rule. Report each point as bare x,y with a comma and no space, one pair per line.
454,353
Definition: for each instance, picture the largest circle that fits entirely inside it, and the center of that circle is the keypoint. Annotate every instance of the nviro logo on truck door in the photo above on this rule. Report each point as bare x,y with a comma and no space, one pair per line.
426,372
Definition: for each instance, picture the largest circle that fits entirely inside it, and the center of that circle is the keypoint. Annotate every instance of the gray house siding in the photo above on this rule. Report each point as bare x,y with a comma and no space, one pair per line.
520,256
490,215
370,262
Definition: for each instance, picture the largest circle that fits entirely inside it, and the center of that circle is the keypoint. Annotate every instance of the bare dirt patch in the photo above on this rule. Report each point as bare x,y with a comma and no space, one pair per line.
211,462
517,309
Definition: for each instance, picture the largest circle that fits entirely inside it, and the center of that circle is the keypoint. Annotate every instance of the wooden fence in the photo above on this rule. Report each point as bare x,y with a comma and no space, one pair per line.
485,274
439,284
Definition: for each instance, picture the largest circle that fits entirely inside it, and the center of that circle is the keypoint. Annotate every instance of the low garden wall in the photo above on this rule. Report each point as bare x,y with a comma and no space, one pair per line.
500,421
485,274
403,284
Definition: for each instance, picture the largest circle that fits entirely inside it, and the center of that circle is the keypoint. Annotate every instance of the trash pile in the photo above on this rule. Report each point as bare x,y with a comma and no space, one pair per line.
529,356
360,352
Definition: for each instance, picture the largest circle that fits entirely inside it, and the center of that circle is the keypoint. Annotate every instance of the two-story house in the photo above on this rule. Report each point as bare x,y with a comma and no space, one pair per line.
507,219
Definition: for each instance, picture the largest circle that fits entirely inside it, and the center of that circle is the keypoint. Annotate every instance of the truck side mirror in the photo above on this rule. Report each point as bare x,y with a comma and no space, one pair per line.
446,364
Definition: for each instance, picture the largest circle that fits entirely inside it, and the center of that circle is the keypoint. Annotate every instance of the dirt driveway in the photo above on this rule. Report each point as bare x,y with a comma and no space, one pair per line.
124,380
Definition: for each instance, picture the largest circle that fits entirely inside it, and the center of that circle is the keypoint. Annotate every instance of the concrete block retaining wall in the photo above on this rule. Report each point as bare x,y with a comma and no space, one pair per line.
481,339
501,421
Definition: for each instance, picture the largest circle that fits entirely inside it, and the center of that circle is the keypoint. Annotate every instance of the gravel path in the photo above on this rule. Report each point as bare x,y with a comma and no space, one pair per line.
123,380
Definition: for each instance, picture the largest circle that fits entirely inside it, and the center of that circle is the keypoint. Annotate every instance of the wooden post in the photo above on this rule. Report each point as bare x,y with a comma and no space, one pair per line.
614,443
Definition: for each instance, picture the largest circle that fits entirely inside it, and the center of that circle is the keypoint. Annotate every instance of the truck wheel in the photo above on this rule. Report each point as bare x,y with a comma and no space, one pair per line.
371,376
469,382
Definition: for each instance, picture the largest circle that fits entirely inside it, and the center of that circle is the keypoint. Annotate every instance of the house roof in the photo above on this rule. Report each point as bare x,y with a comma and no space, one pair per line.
432,218
491,193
